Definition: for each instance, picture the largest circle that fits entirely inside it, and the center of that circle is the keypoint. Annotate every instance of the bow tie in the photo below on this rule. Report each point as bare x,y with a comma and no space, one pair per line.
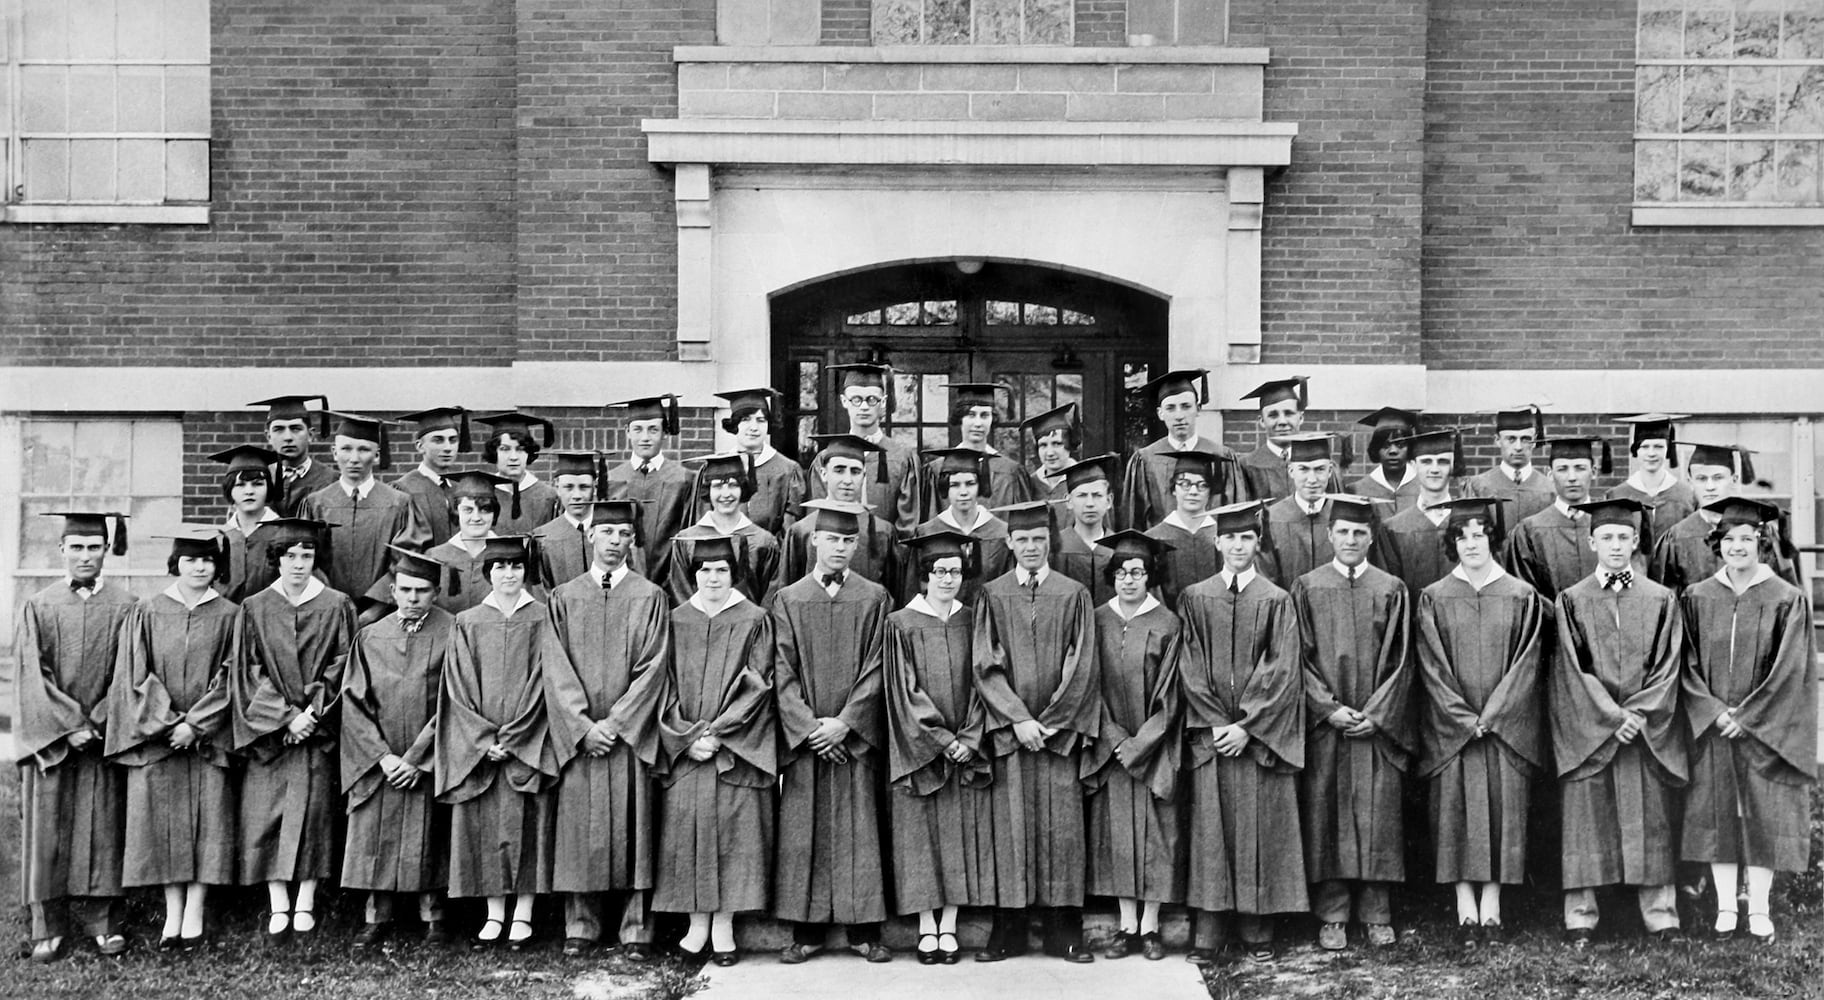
832,579
293,471
1618,581
77,586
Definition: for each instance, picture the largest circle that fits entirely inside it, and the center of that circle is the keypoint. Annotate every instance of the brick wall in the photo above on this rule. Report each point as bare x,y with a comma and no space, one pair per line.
847,22
361,180
1340,256
1100,22
1530,260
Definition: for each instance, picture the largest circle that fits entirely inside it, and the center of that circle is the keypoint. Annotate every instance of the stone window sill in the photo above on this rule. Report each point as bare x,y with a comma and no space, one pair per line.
1727,215
109,215
1047,54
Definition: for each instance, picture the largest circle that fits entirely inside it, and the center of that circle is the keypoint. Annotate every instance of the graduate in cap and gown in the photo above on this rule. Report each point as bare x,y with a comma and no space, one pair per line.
1617,746
1480,635
1244,703
1653,477
1393,476
1513,479
474,503
1685,554
779,483
1145,497
1298,525
727,482
843,459
526,502
662,486
1190,528
866,393
292,649
291,425
1056,436
937,764
398,834
974,408
249,486
368,515
72,799
1750,693
1411,542
964,480
441,435
1136,844
1263,472
1551,549
169,729
1361,728
718,758
1036,671
579,478
494,762
605,685
1086,517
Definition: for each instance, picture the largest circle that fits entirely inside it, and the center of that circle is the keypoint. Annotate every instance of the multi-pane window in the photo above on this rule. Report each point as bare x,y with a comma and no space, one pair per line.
972,22
1729,103
106,102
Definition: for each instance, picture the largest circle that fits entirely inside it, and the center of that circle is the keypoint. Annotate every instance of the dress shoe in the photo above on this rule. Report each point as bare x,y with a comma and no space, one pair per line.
1760,928
993,953
637,952
724,959
369,936
948,947
794,954
1202,957
111,944
1152,946
1382,936
692,954
1333,937
928,955
1121,946
1077,954
576,946
873,951
170,942
1261,952
435,934
47,950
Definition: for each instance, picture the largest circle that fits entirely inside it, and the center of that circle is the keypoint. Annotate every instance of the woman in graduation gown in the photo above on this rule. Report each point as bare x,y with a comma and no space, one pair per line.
728,485
169,708
292,646
1136,852
718,748
1480,646
1751,698
248,487
963,482
475,508
942,837
1189,530
493,762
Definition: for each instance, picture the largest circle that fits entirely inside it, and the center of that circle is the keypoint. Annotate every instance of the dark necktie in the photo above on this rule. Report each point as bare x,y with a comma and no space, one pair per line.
607,582
412,625
832,580
645,467
1619,581
1032,584
1235,584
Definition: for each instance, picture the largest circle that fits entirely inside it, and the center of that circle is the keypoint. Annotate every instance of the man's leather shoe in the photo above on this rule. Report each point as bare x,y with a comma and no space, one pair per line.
794,954
1076,954
873,951
369,936
576,946
1122,945
638,952
1152,946
1202,957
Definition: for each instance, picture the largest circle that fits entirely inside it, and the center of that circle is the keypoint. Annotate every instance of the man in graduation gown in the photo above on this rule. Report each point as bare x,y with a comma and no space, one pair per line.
1653,476
398,836
1036,672
1513,479
1088,519
291,425
829,630
1298,525
563,541
1411,542
1244,704
1683,555
1361,733
1551,549
605,684
656,480
974,409
843,460
779,482
1393,477
866,392
1620,756
441,435
1145,497
72,800
1282,415
367,514
1056,436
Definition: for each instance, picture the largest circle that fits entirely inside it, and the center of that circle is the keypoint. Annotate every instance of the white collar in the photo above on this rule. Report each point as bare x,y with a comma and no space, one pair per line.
582,525
767,454
1309,511
1564,507
94,587
1190,443
924,607
1762,573
1176,520
177,594
1101,534
708,521
986,449
981,517
734,597
1457,571
1146,605
493,601
1379,475
1349,572
427,472
875,438
1229,577
1526,472
1020,574
1277,451
312,587
1666,482
464,543
653,464
358,492
266,514
614,578
526,481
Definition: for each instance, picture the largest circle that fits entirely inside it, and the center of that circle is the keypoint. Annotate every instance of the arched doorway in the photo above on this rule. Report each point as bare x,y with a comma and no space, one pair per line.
1051,336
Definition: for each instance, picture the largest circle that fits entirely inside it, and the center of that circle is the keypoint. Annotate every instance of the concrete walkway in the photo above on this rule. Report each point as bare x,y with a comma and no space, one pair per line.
846,977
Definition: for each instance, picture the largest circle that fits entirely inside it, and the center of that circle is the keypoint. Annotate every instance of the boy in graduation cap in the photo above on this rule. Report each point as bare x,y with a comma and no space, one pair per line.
441,435
398,835
963,482
368,514
604,683
563,542
1653,477
866,392
843,459
1283,402
1393,476
1056,436
1613,691
829,633
1087,520
1361,728
1682,552
727,483
1145,497
517,441
1190,527
1411,542
67,637
1244,703
779,483
1550,549
251,487
1298,526
662,486
973,410
290,427
1513,479
1036,671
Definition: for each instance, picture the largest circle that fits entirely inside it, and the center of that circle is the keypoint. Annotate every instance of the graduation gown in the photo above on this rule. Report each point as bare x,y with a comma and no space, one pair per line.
289,659
1009,483
1085,563
664,494
1240,665
828,866
364,528
465,568
1747,802
1683,557
1551,551
1263,475
501,823
538,503
1617,653
610,665
249,570
73,802
1193,557
291,492
1298,542
1412,548
1136,849
1146,498
1479,662
563,550
172,667
779,486
398,839
1405,495
896,497
991,554
942,835
1532,495
717,814
1357,654
1670,506
756,553
1035,658
432,502
876,558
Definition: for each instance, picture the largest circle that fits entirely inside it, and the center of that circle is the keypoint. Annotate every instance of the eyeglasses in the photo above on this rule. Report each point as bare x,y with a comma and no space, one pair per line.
871,399
947,574
1130,574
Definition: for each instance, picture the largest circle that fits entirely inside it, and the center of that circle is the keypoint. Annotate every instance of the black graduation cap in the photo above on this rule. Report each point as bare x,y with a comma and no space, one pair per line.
1025,516
964,395
1211,467
729,465
1614,510
1489,510
1276,390
1099,469
850,446
247,458
442,418
87,524
582,463
1249,515
1131,544
663,408
1654,427
284,532
1523,418
944,543
1355,508
742,402
365,428
1172,383
616,512
520,425
294,408
479,484
1581,449
976,463
1315,448
1391,416
1729,456
839,516
1744,510
199,541
427,567
714,548
1443,441
1063,418
519,549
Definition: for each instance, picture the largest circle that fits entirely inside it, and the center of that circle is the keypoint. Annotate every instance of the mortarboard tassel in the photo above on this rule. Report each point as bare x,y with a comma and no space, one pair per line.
120,535
1608,461
1672,445
516,500
984,475
463,442
600,464
1747,464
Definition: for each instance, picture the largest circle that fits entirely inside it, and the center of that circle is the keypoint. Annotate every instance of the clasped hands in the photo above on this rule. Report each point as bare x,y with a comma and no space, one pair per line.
1352,723
826,740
